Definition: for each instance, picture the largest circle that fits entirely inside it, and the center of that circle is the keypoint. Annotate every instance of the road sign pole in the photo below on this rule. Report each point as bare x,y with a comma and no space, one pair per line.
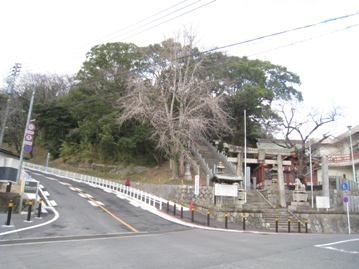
346,201
348,218
23,140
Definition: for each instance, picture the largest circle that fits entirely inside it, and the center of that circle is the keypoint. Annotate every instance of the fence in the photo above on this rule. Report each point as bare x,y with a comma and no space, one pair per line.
134,193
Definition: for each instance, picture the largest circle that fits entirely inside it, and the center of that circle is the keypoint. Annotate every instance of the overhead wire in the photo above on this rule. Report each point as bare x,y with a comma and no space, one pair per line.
144,25
261,38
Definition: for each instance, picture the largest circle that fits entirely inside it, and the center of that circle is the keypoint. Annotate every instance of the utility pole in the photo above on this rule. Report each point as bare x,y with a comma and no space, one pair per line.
15,71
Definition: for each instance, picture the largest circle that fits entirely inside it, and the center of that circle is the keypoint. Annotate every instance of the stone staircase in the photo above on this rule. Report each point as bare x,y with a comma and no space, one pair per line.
209,157
256,202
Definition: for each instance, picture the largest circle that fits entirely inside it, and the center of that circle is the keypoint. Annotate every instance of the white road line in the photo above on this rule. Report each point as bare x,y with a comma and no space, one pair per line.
35,226
52,203
92,203
329,246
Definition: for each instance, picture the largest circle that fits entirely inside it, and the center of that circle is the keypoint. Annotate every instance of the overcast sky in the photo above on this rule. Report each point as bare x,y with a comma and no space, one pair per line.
54,36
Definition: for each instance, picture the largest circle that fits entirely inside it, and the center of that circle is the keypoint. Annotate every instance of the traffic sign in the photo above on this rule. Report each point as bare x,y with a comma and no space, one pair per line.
29,137
345,199
27,148
344,186
31,126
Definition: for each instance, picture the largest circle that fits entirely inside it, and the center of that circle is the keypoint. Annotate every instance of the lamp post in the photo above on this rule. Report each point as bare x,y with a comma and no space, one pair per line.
352,154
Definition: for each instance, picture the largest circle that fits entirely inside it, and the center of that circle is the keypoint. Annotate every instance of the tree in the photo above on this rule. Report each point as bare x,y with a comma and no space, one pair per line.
173,96
252,85
103,78
297,133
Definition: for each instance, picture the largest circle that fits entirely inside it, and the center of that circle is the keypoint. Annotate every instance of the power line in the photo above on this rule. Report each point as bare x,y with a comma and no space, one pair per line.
304,40
151,22
284,32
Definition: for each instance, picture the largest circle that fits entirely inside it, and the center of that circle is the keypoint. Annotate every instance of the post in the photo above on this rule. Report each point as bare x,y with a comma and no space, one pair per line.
192,219
8,221
244,221
29,211
39,209
352,153
168,206
276,225
306,226
226,220
288,225
181,211
19,170
299,226
174,209
208,216
282,200
311,172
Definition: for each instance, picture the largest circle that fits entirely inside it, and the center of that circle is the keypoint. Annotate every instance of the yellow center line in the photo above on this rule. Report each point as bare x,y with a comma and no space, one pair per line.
110,213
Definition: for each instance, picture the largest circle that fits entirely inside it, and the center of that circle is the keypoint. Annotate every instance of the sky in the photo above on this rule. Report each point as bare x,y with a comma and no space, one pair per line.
53,37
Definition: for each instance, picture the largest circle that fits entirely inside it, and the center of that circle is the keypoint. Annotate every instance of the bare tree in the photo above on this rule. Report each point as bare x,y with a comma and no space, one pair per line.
298,132
175,98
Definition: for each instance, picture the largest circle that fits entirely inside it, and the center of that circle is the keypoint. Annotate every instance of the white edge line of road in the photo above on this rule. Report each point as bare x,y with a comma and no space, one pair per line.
39,225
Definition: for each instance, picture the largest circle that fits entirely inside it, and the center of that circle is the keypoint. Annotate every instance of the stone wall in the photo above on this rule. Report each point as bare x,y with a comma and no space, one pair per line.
332,221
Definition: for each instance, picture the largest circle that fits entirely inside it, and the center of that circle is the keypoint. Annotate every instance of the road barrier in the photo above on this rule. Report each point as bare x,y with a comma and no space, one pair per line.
288,225
8,221
111,185
29,211
39,208
208,217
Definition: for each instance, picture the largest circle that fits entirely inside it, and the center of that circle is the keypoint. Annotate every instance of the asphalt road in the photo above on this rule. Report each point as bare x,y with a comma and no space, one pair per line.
91,228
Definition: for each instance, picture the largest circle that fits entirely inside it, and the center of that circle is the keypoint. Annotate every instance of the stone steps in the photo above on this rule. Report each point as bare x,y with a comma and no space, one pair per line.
269,214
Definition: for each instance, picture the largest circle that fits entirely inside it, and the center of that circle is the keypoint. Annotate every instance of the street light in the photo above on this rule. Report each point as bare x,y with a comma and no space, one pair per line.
351,149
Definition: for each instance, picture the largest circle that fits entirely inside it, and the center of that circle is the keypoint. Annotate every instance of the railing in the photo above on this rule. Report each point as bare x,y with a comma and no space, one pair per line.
130,192
342,158
202,162
221,157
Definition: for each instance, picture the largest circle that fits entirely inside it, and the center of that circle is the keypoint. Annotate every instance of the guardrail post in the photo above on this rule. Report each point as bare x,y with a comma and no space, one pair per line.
168,206
174,209
299,226
192,218
306,226
208,217
39,209
288,225
276,225
244,221
181,211
226,220
29,211
8,221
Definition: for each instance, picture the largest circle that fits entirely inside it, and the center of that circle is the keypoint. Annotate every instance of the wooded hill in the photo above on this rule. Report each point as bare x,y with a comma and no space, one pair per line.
146,105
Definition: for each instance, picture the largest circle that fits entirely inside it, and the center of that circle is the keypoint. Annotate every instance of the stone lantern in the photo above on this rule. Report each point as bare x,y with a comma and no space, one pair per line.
220,168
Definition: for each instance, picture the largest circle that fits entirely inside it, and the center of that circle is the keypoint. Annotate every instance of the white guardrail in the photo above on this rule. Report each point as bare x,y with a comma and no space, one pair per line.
130,192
